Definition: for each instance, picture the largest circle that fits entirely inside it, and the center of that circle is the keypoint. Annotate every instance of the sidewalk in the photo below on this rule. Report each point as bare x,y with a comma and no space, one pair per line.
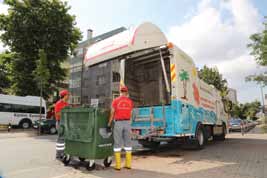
15,133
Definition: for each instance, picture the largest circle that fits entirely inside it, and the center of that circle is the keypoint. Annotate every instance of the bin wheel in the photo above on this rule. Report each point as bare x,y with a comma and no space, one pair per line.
90,167
66,159
107,162
81,159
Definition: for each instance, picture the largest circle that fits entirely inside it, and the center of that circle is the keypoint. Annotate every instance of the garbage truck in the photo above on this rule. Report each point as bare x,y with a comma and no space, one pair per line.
171,102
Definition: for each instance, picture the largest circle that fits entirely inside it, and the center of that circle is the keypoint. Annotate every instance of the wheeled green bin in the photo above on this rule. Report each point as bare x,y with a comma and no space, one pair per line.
86,136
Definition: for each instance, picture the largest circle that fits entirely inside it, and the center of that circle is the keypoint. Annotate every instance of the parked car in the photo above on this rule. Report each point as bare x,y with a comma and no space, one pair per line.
47,126
251,124
235,124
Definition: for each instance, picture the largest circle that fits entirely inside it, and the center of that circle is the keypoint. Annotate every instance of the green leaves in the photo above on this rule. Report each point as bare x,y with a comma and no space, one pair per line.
32,25
247,110
212,77
41,72
258,47
5,71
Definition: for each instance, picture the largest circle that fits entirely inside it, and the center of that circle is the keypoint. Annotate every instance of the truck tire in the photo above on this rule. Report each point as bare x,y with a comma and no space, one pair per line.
198,142
25,123
222,136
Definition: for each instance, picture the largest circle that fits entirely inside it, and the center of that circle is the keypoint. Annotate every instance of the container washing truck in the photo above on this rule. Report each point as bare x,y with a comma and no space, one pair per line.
171,102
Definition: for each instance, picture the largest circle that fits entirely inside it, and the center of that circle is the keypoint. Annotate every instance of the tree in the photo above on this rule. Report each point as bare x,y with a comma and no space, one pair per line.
251,109
42,74
31,25
5,71
258,48
247,110
212,77
236,111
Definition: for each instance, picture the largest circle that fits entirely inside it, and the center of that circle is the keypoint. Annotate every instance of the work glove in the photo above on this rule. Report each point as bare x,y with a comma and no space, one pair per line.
109,129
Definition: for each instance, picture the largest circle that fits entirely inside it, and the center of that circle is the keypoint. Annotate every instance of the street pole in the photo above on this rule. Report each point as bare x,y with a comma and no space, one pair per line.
81,93
262,97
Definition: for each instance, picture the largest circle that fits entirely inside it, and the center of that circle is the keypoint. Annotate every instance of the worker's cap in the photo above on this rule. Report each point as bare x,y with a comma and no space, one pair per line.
123,89
63,93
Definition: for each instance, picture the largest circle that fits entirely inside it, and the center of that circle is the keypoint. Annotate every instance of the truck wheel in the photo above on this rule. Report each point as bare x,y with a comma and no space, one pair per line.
107,162
25,123
198,142
66,159
90,167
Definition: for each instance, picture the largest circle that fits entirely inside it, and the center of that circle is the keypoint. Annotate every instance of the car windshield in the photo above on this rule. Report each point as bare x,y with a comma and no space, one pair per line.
235,121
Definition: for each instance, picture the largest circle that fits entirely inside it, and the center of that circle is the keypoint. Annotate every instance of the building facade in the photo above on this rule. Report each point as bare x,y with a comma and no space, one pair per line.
232,95
76,79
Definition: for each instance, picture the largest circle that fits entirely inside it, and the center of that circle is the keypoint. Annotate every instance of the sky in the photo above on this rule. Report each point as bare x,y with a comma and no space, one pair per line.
212,32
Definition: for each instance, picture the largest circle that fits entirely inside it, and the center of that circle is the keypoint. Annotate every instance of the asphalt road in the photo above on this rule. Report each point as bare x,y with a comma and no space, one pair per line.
237,157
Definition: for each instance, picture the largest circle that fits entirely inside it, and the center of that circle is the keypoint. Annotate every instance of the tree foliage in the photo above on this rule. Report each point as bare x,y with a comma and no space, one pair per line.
243,111
247,110
42,74
31,25
258,47
5,71
212,77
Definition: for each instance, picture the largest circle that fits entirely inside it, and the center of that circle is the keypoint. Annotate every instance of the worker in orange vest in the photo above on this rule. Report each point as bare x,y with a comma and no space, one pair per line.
121,111
60,104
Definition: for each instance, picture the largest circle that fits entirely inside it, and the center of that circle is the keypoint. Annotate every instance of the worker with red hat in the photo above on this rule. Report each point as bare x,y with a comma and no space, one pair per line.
60,104
121,111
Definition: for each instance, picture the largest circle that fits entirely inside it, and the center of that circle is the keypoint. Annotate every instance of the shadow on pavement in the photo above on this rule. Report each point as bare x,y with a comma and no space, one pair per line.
47,137
233,158
239,158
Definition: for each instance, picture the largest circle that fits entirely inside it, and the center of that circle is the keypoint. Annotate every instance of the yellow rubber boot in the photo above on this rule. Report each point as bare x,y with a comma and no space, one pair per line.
128,161
117,160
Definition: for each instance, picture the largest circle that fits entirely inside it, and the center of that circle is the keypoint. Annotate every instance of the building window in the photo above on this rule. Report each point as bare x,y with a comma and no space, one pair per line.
75,83
78,52
100,80
75,99
115,76
76,69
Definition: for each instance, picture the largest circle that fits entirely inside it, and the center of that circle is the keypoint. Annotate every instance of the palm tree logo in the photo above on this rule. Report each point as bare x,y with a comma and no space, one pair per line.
184,77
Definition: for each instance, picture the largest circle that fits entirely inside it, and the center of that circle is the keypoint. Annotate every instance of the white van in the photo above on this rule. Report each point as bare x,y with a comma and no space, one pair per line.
21,111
